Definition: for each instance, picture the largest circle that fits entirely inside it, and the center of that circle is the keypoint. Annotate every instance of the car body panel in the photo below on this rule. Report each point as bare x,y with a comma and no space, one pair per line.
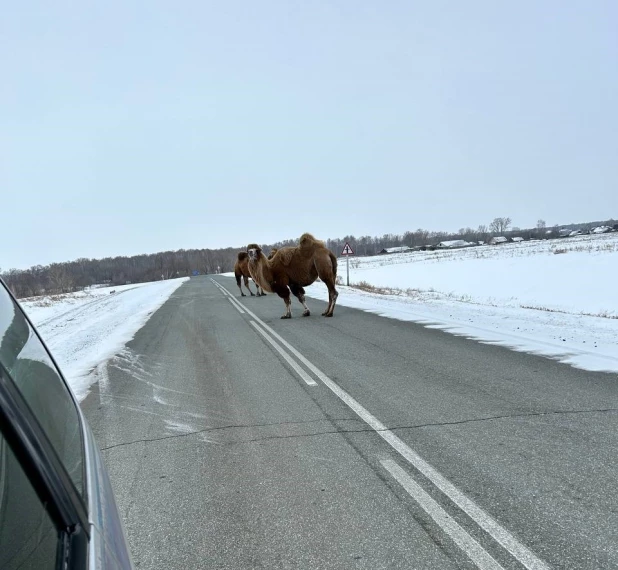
62,447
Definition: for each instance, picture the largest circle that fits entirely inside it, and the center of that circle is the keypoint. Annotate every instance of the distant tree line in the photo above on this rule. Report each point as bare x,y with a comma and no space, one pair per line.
367,245
76,275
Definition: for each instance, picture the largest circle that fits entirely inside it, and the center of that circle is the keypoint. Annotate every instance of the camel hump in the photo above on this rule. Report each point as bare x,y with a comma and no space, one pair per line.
286,254
242,255
308,241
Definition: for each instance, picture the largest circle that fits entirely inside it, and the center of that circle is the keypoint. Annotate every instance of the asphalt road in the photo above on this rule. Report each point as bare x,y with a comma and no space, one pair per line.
239,440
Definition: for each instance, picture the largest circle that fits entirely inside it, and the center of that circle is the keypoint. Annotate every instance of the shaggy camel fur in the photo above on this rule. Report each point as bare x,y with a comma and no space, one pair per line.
292,268
241,271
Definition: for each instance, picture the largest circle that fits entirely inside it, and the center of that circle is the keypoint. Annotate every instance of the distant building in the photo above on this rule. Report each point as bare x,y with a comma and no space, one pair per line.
518,239
601,230
453,244
497,240
402,249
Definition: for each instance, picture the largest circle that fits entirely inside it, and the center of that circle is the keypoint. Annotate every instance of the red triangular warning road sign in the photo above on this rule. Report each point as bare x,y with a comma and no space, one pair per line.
347,250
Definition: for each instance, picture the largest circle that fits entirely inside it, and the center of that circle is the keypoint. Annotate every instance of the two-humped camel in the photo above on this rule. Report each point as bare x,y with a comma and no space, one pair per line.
241,272
292,268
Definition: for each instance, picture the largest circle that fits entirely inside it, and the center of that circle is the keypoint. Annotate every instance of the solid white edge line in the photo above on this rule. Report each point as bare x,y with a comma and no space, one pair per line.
285,355
223,289
234,302
521,552
469,545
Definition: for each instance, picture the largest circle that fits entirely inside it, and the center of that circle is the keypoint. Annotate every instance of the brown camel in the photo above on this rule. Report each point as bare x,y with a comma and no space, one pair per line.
241,271
254,277
292,268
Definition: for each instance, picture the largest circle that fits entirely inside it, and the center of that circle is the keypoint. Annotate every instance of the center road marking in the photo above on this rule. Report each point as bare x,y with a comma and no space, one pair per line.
518,550
236,306
308,380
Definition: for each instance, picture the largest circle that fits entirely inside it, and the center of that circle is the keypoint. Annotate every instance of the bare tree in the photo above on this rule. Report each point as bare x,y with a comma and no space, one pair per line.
541,228
366,242
60,278
499,225
408,239
421,236
482,233
466,234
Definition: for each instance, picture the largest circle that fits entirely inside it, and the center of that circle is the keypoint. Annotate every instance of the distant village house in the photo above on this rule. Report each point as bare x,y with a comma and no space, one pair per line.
497,240
402,249
455,243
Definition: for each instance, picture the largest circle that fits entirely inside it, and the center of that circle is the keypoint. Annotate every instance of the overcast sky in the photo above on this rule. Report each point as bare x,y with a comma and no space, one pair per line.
130,128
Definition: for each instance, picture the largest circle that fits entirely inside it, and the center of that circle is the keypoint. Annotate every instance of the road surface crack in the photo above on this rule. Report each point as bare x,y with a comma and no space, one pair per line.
345,431
505,416
231,427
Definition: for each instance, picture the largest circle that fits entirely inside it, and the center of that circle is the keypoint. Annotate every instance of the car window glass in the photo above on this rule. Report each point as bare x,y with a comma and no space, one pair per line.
24,357
28,538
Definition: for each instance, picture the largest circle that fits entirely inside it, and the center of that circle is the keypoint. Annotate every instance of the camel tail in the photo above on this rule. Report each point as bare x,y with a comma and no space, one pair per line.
333,259
238,275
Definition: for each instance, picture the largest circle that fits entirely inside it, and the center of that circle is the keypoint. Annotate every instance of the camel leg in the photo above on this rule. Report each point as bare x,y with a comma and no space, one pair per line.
259,290
247,285
332,299
284,292
238,277
299,293
288,308
327,273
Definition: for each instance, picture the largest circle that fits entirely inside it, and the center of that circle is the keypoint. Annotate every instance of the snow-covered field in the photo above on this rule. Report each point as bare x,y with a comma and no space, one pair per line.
86,328
557,298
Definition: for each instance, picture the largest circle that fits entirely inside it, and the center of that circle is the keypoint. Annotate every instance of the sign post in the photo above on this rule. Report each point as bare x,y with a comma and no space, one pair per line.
347,251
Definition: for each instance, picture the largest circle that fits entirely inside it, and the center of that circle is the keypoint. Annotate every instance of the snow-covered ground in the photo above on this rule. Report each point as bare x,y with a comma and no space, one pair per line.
86,328
557,298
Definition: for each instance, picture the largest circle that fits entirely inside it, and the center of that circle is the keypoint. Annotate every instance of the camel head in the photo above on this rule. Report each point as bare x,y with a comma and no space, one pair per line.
254,251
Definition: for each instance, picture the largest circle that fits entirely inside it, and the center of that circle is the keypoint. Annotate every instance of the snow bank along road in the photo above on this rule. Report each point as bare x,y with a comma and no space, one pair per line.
84,329
237,440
